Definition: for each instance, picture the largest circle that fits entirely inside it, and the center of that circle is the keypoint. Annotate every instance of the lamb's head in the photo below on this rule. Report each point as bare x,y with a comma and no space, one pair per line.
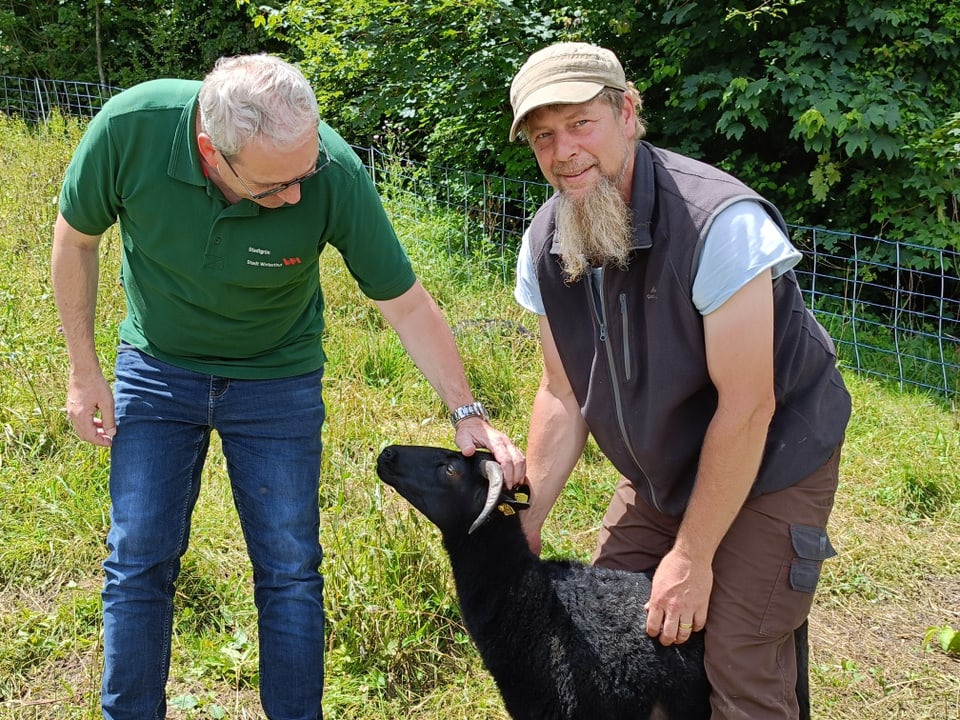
457,493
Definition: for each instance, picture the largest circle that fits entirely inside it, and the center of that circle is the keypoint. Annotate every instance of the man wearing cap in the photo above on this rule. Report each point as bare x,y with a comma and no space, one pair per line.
673,331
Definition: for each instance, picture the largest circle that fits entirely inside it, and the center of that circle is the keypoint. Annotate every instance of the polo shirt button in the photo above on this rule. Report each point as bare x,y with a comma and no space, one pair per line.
216,241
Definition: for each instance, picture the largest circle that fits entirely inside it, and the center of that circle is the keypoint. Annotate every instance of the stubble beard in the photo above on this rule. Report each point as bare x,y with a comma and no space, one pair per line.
594,230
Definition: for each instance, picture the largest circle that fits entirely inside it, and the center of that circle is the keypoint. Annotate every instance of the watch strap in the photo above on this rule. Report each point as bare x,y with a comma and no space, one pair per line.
474,409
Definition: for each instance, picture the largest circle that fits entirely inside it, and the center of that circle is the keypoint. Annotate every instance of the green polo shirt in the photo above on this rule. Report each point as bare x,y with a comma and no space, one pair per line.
220,288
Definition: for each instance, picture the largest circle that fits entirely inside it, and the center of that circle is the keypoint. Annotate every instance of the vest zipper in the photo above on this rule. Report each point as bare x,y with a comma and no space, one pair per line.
594,279
600,310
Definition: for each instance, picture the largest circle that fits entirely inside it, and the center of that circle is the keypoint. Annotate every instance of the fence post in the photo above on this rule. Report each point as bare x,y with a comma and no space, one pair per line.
36,86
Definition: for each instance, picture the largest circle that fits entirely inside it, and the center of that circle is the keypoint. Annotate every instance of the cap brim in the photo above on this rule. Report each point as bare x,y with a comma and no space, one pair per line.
562,93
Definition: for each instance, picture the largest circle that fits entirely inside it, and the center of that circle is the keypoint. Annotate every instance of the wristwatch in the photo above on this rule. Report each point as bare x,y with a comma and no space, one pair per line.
463,412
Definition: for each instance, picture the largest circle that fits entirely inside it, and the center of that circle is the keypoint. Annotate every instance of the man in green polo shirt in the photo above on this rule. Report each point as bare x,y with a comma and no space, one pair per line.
226,193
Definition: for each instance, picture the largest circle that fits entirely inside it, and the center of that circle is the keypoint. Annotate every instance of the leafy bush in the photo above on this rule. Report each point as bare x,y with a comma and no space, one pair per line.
431,77
849,106
122,43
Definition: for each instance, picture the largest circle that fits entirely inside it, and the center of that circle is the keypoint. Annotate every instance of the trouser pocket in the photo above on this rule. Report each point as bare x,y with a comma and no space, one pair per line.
792,594
812,546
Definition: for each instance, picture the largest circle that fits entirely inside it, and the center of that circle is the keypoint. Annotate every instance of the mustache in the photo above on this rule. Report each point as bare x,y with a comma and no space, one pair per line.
572,168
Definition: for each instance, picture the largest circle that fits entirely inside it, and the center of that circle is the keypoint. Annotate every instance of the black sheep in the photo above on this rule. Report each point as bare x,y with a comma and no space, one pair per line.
563,641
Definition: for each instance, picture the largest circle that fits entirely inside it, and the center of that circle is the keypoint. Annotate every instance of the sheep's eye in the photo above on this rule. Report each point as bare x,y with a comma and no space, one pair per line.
450,470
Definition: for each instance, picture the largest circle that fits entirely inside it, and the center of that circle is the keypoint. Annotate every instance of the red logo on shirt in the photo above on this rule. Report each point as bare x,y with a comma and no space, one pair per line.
291,261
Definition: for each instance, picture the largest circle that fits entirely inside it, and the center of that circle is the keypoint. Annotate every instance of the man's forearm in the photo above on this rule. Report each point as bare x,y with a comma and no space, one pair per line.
427,338
729,462
75,268
555,443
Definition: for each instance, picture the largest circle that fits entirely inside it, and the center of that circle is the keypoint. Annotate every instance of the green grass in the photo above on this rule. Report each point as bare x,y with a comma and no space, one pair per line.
396,646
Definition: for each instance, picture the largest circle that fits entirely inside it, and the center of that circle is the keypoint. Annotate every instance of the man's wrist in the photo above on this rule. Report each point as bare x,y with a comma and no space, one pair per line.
474,409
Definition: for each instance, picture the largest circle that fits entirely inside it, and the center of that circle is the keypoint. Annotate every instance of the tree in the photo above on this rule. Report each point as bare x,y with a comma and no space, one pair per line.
846,113
429,78
122,43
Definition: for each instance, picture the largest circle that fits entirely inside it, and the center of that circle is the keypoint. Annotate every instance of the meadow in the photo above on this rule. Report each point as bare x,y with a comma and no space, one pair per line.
396,647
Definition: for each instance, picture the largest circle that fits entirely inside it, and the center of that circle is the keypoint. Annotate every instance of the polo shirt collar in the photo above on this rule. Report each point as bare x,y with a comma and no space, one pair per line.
185,164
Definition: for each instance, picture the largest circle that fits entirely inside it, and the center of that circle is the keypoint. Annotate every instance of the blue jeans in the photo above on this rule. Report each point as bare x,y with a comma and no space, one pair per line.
270,433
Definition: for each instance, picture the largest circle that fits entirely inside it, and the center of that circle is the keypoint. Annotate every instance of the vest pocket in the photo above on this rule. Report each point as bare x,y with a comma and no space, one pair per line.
625,333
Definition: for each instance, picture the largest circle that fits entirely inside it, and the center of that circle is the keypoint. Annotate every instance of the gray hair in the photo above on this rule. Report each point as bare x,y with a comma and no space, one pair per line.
255,96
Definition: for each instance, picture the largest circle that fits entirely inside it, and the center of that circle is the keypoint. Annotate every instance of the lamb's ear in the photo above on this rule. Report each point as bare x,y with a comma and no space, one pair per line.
513,500
494,475
518,498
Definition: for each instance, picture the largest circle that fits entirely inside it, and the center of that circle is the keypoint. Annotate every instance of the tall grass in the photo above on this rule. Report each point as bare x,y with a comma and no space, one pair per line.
396,645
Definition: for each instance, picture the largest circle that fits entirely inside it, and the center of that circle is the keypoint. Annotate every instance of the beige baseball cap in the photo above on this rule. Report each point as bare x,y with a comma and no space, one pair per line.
567,73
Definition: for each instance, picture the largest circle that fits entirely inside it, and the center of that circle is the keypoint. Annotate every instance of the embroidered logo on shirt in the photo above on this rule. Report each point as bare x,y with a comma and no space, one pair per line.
264,263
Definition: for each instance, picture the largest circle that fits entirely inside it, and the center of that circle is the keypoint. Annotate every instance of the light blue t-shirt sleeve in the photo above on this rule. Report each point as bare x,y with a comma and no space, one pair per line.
527,290
742,242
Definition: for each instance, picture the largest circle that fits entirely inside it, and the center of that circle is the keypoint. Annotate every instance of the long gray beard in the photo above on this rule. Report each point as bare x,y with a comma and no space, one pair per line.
593,230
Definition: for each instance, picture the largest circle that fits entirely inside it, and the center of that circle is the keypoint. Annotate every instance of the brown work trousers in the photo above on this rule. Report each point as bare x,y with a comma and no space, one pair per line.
765,573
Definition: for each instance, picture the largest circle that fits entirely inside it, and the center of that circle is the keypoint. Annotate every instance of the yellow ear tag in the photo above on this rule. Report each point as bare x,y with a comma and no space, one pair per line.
522,497
506,509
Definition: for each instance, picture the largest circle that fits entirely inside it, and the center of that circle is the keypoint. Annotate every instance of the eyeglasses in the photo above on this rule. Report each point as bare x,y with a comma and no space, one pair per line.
323,159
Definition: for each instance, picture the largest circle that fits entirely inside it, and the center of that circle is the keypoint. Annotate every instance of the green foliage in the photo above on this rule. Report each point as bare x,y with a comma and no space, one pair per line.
856,99
35,639
845,114
946,638
122,43
430,77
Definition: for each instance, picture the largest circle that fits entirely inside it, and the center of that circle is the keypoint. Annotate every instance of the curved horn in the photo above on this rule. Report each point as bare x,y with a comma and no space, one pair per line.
494,475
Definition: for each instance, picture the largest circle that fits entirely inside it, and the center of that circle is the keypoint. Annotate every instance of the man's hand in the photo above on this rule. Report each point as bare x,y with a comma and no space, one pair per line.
90,409
679,598
475,432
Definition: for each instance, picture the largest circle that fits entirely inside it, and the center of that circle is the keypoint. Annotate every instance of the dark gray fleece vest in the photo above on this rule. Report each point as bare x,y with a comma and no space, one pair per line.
633,345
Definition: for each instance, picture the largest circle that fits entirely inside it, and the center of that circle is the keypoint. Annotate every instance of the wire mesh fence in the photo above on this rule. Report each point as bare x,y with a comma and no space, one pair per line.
891,317
891,307
36,100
